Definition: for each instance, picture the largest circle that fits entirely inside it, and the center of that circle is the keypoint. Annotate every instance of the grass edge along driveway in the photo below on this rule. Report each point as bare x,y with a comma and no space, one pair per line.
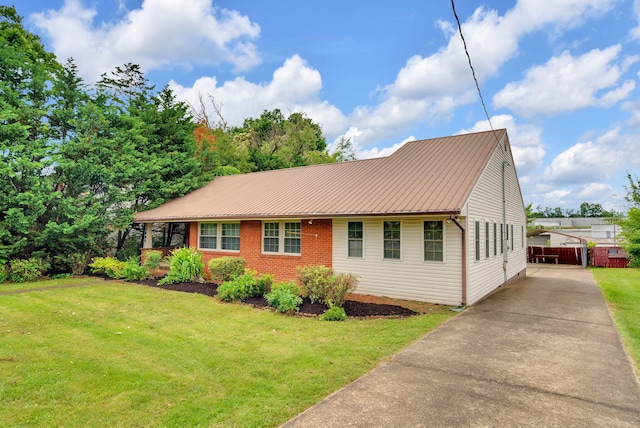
621,289
118,354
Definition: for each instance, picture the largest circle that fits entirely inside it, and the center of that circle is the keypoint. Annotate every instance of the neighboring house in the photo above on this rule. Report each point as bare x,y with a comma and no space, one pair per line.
427,223
574,229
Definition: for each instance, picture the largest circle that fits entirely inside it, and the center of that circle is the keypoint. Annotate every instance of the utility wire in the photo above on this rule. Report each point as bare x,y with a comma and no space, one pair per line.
473,72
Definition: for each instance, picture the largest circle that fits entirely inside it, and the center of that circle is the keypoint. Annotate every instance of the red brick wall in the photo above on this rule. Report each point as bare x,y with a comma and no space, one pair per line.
316,248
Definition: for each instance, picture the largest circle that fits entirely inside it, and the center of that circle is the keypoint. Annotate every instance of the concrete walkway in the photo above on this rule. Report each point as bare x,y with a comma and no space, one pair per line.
541,352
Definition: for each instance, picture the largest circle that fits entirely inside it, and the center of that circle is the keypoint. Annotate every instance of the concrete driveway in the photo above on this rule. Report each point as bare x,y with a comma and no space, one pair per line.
541,352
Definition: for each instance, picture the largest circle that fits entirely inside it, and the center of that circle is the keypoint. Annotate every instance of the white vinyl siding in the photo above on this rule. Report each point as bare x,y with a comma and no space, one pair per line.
485,204
412,278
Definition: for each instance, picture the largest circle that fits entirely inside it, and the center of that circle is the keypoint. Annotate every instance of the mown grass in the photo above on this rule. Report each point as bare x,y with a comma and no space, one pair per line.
62,282
621,288
120,354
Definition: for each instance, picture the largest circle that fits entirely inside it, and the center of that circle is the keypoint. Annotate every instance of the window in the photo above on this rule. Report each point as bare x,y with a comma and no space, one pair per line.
391,239
521,236
281,237
292,234
501,238
512,238
433,241
230,236
486,239
355,236
495,239
506,232
222,236
209,235
477,240
271,238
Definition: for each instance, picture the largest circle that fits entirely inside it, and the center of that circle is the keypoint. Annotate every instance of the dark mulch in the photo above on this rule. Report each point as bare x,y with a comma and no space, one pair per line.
351,307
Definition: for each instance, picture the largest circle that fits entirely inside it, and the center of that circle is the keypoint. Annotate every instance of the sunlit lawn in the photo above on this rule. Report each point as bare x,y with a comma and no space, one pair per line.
621,288
115,354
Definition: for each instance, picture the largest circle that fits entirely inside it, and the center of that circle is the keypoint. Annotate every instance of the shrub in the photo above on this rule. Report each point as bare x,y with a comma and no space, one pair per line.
284,297
133,271
334,313
244,286
185,265
76,263
152,259
27,270
109,266
339,286
226,268
4,274
322,285
314,280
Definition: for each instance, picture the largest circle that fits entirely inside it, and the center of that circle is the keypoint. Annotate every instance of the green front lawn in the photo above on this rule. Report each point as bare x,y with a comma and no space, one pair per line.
118,354
621,288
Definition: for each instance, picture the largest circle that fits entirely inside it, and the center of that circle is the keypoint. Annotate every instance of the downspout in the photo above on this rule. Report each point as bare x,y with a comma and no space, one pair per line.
505,245
464,259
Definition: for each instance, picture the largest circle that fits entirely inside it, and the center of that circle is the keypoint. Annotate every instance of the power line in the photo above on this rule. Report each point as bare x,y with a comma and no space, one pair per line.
473,72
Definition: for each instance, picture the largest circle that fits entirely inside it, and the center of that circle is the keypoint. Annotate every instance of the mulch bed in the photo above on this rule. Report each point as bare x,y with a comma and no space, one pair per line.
353,308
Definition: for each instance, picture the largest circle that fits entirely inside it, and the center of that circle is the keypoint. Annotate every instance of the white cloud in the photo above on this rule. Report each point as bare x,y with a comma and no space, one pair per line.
587,162
526,142
431,87
635,32
161,33
295,87
375,152
568,83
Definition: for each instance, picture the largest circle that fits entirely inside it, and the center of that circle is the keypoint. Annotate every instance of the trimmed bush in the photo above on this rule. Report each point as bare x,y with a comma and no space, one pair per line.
322,285
314,280
284,297
244,286
334,313
109,266
152,259
27,270
185,265
226,268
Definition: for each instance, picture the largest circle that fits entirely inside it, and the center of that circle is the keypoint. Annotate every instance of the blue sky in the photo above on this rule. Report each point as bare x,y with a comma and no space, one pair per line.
561,76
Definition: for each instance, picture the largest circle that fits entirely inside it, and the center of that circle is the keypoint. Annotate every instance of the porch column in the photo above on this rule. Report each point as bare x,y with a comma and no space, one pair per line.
148,241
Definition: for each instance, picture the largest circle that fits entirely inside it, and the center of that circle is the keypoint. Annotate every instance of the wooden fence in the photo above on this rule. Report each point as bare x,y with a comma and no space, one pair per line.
611,257
558,255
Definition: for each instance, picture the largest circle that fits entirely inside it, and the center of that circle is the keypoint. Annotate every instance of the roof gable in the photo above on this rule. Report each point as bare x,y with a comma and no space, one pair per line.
424,176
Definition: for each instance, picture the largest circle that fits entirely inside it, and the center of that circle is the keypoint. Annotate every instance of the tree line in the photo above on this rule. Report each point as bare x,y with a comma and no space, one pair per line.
78,160
586,210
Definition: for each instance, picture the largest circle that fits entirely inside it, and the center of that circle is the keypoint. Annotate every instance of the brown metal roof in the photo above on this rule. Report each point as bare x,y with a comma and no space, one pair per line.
424,176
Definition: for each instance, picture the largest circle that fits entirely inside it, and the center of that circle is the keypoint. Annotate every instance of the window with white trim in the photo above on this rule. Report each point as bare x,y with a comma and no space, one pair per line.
292,234
355,239
391,239
230,236
209,236
433,241
219,236
281,237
